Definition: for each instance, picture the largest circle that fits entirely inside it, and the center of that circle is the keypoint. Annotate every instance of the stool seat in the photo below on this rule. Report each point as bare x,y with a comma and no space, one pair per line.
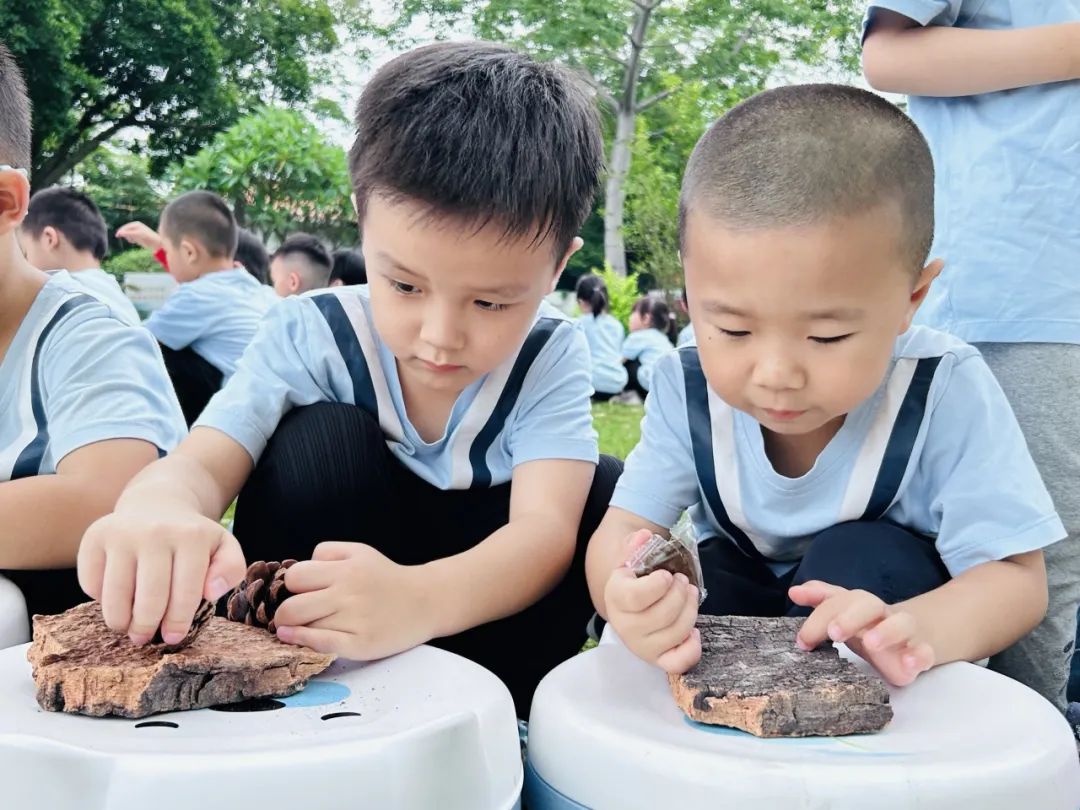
14,623
423,729
606,733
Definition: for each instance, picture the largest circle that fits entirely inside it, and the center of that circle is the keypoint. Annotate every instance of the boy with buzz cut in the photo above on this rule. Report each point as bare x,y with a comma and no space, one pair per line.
438,416
301,264
84,399
204,326
64,230
994,85
838,462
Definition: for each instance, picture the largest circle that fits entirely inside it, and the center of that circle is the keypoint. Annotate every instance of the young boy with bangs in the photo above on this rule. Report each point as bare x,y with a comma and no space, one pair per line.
838,463
438,417
84,399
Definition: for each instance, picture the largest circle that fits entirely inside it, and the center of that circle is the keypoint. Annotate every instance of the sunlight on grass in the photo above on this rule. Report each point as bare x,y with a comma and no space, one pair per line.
619,427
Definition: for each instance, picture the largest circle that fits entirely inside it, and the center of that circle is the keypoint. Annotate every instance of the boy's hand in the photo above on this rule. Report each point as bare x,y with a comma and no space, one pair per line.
140,234
654,615
149,569
886,636
352,601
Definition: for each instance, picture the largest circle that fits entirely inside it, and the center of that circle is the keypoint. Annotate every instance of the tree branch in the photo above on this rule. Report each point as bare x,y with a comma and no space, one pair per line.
644,104
61,162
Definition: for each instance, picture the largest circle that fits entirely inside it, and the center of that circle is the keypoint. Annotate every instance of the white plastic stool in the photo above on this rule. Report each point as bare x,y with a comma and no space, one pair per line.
424,729
14,623
606,733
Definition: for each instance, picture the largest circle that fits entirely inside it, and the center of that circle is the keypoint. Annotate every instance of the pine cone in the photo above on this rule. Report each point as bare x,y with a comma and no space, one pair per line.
255,600
202,616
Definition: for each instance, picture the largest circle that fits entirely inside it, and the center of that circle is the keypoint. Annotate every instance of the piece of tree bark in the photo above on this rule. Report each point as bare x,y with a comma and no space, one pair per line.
81,666
752,677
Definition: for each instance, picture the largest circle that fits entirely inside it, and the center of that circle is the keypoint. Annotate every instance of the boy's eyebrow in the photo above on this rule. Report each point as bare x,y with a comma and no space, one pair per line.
505,291
838,314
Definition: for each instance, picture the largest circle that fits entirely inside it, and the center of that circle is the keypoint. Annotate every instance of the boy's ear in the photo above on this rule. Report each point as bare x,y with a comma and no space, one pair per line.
922,289
14,200
191,250
575,245
51,237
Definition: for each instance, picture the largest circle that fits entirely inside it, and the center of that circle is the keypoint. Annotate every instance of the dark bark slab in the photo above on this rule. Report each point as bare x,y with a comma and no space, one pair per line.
752,677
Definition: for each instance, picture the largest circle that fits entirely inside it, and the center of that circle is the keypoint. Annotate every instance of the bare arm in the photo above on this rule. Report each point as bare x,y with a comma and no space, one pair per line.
520,562
900,56
983,610
44,517
202,476
608,550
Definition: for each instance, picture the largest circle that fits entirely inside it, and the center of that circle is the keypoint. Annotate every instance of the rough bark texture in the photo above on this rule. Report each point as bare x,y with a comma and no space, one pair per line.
82,667
752,677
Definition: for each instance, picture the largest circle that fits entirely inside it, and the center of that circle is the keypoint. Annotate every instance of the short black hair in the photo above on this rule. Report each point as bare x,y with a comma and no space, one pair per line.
480,132
204,216
798,155
14,113
73,214
251,252
349,267
314,254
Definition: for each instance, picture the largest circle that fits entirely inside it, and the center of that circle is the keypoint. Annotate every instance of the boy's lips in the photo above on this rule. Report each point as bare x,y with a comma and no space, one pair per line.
442,368
783,416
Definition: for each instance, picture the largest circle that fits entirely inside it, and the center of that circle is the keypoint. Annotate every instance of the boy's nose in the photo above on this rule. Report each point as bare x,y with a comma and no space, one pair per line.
778,373
440,329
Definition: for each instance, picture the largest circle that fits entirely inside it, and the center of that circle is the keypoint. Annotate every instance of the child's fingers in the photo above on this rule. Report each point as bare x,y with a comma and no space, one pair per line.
680,628
311,575
118,590
670,606
334,550
185,592
918,658
304,608
153,576
325,641
91,569
227,567
812,593
634,594
892,631
636,541
815,630
860,612
681,658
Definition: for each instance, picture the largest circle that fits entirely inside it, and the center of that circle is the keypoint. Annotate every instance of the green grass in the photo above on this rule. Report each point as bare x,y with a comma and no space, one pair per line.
619,427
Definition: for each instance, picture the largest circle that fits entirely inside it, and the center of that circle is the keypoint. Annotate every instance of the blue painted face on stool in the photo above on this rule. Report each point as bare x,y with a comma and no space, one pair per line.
834,746
317,693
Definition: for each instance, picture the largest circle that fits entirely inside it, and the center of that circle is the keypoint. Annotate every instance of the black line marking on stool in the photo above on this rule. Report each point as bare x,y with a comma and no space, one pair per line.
157,724
252,705
335,715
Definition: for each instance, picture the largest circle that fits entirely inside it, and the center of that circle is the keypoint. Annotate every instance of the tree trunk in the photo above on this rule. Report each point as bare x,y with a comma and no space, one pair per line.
626,110
615,193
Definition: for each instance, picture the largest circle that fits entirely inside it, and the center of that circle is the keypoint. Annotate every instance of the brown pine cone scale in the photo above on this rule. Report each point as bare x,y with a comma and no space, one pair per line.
255,600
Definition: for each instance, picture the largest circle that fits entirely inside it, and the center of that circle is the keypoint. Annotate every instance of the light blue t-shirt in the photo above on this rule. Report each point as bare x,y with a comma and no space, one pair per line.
646,346
216,315
75,375
605,336
935,449
323,347
1007,195
107,289
686,336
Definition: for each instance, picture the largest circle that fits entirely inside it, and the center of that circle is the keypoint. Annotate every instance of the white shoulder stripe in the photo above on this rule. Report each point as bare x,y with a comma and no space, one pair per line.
358,318
864,472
